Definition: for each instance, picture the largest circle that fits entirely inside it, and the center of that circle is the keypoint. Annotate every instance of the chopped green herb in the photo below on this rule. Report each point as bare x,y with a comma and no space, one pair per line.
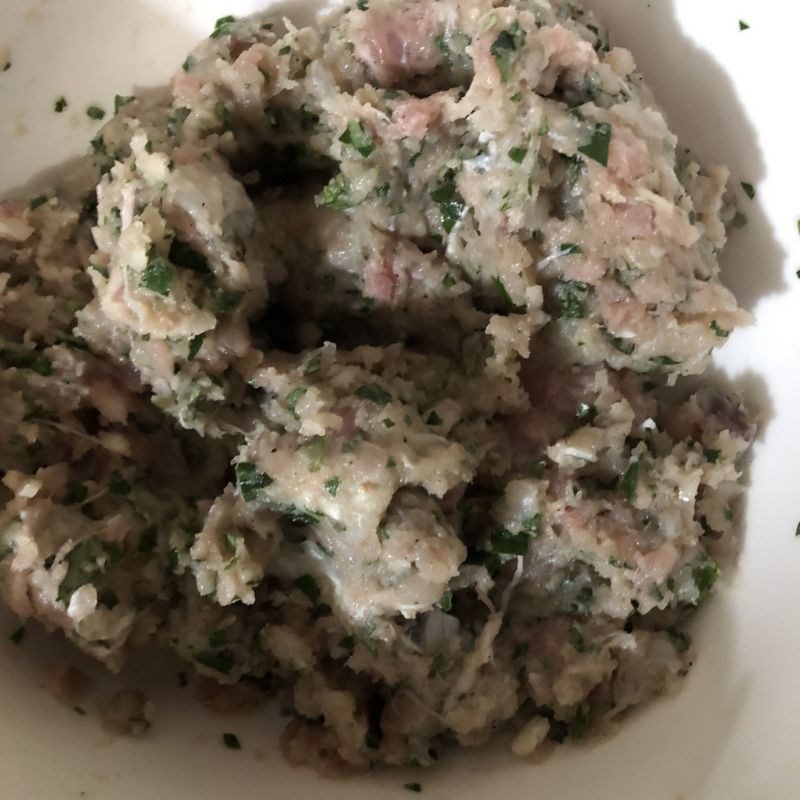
749,189
451,204
355,137
18,635
597,146
38,201
26,359
95,112
374,393
506,543
308,586
347,642
571,297
505,48
315,452
121,100
250,481
705,575
743,26
413,787
446,601
362,5
680,640
81,712
578,642
195,343
711,455
225,300
313,364
220,660
739,220
629,482
664,361
570,249
721,332
60,104
388,423
448,281
332,486
615,562
158,276
434,418
508,303
231,741
285,50
85,561
292,398
517,154
7,66
336,193
189,64
222,26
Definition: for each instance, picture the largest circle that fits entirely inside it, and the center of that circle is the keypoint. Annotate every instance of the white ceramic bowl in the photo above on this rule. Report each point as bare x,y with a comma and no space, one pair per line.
731,733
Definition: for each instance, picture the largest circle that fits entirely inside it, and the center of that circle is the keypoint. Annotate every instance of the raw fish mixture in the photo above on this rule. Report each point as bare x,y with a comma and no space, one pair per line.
354,365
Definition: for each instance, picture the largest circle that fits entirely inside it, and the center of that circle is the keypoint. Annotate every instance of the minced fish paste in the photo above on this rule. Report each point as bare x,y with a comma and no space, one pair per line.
353,362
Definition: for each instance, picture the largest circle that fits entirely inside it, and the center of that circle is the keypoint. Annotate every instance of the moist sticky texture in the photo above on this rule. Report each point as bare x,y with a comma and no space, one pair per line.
353,363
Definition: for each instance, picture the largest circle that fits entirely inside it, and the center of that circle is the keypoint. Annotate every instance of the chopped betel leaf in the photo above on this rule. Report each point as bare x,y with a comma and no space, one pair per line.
225,300
292,399
505,49
332,486
508,303
451,204
26,359
721,332
597,147
95,112
446,602
571,297
308,586
749,189
506,543
374,393
195,343
355,137
158,276
629,482
18,635
250,481
739,220
60,104
313,364
743,26
231,741
222,26
336,193
122,100
705,574
517,154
